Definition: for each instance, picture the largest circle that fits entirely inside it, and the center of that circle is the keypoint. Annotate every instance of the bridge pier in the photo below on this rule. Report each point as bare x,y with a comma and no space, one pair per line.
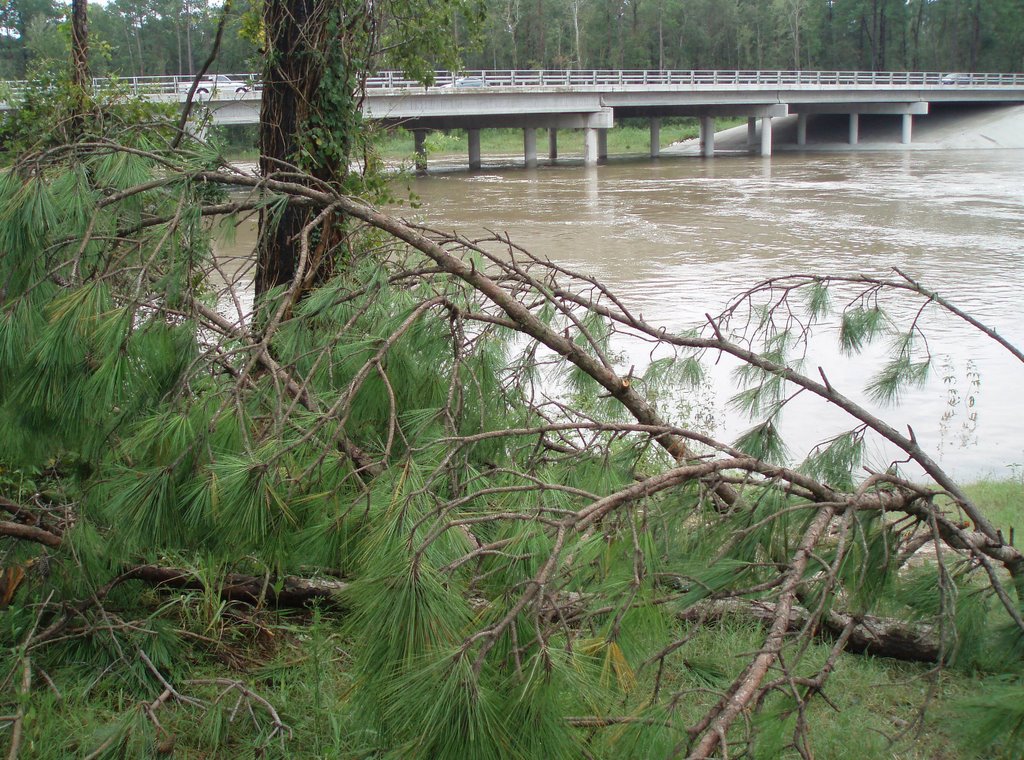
655,138
707,136
766,136
473,136
906,110
530,147
420,149
589,146
602,145
908,125
552,145
751,132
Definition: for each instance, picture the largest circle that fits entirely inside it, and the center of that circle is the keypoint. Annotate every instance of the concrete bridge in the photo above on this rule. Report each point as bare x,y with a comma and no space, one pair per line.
592,100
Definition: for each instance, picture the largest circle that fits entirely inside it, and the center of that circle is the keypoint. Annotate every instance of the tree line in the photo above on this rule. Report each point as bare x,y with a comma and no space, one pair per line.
158,37
755,34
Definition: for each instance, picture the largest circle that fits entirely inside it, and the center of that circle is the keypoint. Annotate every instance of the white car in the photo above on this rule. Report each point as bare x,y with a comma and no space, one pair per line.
466,82
213,83
956,79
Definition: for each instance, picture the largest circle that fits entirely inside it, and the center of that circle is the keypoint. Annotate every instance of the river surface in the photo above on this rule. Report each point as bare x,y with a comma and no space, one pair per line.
678,237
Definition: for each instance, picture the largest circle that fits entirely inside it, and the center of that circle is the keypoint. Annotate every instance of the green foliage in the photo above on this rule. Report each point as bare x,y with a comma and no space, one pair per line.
386,424
993,720
835,461
764,442
861,326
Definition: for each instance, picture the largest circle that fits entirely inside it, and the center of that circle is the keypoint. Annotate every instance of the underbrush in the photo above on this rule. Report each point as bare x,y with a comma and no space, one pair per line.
187,675
298,664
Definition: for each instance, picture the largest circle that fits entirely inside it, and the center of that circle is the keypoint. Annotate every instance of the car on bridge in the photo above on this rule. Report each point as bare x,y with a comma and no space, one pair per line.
466,82
214,83
956,79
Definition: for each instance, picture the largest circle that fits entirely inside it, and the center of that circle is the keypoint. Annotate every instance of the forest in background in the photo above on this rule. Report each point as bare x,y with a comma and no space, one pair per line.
156,37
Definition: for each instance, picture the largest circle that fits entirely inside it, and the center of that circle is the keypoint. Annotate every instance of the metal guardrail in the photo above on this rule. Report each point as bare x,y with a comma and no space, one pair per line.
696,79
239,85
179,85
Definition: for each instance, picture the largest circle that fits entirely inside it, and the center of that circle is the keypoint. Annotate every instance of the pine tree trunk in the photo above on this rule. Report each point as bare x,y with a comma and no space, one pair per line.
80,44
295,32
80,63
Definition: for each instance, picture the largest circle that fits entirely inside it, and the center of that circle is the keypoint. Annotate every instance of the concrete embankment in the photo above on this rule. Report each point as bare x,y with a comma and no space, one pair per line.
945,128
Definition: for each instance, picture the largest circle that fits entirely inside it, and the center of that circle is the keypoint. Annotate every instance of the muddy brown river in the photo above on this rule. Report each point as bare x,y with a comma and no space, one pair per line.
678,237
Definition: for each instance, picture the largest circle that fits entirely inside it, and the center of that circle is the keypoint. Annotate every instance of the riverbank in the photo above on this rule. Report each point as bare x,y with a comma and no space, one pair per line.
945,128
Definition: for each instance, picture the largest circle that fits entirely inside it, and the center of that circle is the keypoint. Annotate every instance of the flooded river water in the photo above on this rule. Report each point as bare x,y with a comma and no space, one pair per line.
676,238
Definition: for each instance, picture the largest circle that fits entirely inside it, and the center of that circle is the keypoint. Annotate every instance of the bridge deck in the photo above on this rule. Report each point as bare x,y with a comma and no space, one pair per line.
591,99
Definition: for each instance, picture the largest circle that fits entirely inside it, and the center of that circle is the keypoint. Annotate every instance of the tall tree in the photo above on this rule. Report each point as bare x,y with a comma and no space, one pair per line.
80,45
318,55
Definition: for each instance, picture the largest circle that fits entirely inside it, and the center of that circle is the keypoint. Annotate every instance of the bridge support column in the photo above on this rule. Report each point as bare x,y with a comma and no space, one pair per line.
602,145
854,128
751,132
589,146
908,126
474,149
655,138
420,141
707,136
553,145
801,129
766,135
530,147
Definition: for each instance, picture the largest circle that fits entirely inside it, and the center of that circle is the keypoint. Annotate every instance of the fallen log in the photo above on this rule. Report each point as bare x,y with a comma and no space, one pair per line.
876,636
29,533
291,591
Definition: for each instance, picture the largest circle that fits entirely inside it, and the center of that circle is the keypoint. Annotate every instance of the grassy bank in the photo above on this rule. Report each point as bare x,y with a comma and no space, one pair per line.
630,137
1002,502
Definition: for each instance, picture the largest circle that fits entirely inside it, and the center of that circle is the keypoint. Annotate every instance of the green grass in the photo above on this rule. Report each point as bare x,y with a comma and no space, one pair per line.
628,138
1002,501
869,702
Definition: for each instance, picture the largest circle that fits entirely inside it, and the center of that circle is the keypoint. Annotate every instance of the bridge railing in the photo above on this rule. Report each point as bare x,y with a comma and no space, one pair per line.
237,85
177,85
694,78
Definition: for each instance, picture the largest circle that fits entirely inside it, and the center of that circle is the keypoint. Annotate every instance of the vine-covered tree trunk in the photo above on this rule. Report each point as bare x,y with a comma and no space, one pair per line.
80,63
80,43
295,39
